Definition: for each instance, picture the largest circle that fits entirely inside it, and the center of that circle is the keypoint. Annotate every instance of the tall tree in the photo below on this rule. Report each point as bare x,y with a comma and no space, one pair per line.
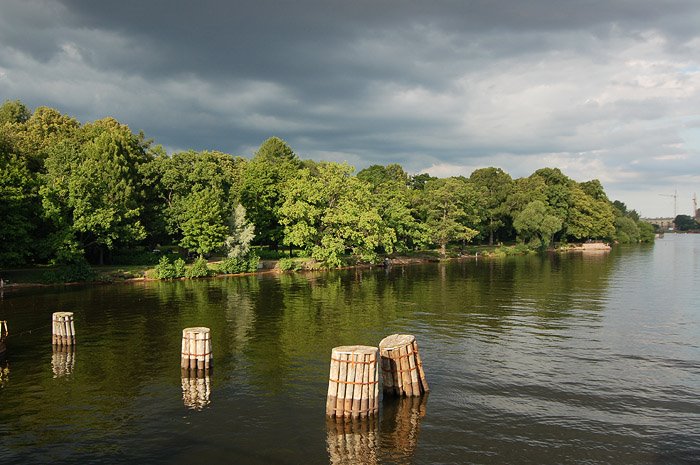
331,212
452,211
394,202
92,190
535,222
495,186
262,181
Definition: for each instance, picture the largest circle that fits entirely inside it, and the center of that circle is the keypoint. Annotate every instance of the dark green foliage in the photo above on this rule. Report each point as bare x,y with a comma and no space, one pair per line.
134,257
78,271
685,223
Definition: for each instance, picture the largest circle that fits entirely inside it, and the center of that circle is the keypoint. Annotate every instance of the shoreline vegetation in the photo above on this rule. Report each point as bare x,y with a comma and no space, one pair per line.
95,201
112,274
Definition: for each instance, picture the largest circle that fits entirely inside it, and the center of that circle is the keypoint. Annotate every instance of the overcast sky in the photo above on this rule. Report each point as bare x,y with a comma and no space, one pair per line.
604,89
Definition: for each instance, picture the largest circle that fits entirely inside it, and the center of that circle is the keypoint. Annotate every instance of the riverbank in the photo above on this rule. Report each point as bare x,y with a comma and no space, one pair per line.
45,276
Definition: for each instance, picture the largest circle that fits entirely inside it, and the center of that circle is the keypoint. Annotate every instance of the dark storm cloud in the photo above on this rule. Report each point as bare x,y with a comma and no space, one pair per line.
600,88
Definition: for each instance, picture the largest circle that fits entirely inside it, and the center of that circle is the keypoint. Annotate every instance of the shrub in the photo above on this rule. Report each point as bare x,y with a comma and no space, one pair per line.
73,272
233,265
289,264
198,269
165,269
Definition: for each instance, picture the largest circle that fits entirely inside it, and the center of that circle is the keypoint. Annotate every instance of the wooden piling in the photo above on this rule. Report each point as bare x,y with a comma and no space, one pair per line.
63,329
353,383
402,368
196,349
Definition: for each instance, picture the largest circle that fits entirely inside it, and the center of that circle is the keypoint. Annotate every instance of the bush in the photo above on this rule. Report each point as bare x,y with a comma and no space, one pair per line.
73,272
165,269
198,269
233,265
289,264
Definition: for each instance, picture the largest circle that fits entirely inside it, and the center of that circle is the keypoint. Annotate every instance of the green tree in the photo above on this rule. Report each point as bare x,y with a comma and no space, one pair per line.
331,213
451,211
260,190
685,223
200,221
193,191
626,230
92,191
13,111
18,198
495,186
394,202
535,222
590,216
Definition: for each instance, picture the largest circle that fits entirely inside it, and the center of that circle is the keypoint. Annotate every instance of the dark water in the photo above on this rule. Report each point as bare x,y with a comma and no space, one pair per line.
557,359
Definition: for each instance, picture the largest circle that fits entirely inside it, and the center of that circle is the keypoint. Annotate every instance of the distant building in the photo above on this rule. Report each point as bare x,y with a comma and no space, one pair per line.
663,223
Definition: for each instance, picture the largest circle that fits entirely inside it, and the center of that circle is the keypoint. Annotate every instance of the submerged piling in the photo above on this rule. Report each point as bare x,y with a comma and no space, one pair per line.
63,329
353,383
402,368
196,349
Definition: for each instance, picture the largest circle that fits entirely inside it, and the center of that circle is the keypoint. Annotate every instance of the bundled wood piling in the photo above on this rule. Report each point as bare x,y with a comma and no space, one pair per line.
353,383
63,360
402,368
63,329
353,441
196,349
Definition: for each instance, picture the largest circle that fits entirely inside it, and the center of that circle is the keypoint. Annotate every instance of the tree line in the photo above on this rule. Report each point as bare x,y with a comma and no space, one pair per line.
72,192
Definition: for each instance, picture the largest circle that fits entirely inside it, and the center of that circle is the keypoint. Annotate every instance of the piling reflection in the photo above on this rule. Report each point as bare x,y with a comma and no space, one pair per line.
4,372
196,388
63,360
353,441
400,426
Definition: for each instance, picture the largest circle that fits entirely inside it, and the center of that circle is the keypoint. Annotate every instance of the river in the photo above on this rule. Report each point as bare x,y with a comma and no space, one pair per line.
578,358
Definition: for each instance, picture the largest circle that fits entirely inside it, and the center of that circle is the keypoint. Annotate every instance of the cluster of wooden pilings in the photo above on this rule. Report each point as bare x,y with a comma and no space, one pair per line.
353,383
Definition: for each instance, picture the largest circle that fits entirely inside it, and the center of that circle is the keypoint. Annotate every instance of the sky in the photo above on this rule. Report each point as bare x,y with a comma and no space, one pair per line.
605,89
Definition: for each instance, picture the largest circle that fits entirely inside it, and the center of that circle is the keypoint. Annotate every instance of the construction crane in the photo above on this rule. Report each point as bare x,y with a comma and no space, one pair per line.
696,214
675,202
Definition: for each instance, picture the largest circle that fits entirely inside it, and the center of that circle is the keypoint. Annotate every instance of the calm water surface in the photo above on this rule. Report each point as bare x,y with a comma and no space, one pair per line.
554,359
